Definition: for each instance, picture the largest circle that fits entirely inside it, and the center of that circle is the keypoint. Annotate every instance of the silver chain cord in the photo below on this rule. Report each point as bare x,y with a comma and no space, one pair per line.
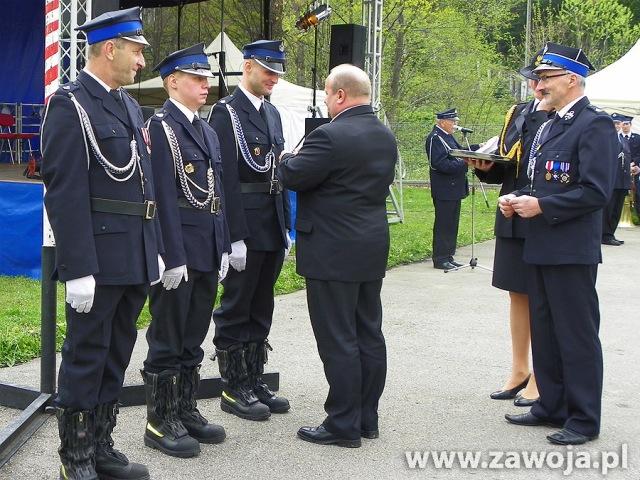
110,169
182,177
244,148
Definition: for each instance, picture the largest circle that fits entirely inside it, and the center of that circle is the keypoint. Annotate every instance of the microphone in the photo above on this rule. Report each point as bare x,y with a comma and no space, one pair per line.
463,129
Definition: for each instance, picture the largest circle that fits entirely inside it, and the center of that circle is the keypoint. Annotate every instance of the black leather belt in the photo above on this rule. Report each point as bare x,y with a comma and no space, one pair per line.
146,210
273,187
214,208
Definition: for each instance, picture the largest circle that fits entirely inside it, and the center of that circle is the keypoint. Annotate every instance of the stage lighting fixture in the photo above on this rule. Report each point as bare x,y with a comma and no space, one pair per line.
313,17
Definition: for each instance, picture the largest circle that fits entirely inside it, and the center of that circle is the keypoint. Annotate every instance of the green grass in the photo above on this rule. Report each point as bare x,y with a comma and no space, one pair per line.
410,242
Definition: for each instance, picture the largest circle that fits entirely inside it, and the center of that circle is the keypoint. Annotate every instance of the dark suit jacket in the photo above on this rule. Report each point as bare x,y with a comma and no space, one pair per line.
523,126
342,175
192,237
260,219
448,174
116,249
569,229
623,171
634,147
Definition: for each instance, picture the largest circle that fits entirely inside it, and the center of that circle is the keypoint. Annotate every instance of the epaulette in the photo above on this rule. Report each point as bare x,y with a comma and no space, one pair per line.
157,117
591,106
68,88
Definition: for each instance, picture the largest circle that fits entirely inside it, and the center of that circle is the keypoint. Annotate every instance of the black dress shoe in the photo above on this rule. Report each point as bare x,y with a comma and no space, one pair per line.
456,264
569,437
510,393
520,401
621,242
529,420
371,434
444,266
611,241
322,436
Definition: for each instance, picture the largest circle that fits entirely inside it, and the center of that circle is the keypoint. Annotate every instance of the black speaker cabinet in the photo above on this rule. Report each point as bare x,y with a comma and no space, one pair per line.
348,44
310,124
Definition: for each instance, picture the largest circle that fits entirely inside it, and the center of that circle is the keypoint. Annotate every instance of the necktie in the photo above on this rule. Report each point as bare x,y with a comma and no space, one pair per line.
118,98
197,123
263,114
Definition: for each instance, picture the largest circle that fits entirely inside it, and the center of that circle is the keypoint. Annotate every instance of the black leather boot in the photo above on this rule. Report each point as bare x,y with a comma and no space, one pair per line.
112,464
165,431
197,426
237,396
77,444
257,355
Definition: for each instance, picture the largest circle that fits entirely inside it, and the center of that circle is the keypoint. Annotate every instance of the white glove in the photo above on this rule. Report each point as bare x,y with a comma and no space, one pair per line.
224,267
161,267
287,249
238,257
172,277
80,293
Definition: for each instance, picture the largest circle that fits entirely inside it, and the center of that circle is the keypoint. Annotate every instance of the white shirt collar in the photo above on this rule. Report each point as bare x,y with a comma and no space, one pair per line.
187,113
563,111
92,75
255,101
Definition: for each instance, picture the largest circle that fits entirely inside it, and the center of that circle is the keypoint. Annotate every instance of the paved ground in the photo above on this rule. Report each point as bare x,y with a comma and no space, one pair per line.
447,336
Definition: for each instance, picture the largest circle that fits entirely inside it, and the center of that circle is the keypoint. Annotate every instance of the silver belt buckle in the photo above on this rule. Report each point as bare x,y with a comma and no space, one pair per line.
150,210
275,187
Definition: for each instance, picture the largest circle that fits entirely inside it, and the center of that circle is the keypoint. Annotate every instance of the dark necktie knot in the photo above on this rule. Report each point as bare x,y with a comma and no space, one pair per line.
197,124
116,95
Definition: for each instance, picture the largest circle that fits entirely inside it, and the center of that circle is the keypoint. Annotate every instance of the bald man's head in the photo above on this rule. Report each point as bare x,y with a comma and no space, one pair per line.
346,86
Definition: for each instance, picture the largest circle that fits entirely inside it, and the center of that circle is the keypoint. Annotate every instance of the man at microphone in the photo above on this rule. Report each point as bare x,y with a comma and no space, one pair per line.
449,186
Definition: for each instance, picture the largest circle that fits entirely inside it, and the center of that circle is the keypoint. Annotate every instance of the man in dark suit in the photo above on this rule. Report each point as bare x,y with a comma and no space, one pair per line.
250,133
342,175
571,170
101,204
449,185
613,210
186,160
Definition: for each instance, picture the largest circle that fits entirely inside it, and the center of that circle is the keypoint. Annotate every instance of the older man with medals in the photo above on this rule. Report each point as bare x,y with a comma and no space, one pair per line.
186,159
250,133
101,204
571,172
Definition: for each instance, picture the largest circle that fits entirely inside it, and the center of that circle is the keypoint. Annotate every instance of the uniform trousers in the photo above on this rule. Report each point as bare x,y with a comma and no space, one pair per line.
246,308
98,345
567,355
612,212
346,318
445,229
180,322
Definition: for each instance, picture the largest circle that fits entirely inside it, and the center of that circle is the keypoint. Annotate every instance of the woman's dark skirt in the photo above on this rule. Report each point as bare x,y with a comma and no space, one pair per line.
509,270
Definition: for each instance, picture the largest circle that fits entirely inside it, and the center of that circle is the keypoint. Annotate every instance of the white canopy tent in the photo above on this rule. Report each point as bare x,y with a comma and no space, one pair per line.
615,87
293,102
152,93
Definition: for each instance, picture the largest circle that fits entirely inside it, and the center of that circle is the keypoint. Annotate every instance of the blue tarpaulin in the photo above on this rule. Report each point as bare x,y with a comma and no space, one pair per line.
22,40
20,228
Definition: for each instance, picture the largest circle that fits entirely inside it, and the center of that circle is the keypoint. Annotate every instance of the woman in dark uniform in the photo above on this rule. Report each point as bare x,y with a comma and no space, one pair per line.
509,270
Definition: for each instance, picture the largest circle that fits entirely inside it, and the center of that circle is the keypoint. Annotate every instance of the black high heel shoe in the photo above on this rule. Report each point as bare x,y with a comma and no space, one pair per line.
511,393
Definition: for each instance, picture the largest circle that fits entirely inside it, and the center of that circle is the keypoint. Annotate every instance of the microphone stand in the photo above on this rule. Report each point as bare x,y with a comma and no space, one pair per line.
473,262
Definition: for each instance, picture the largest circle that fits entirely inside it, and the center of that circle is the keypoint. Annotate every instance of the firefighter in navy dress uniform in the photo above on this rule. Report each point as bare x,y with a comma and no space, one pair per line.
571,171
449,185
101,204
613,210
250,133
633,139
186,161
